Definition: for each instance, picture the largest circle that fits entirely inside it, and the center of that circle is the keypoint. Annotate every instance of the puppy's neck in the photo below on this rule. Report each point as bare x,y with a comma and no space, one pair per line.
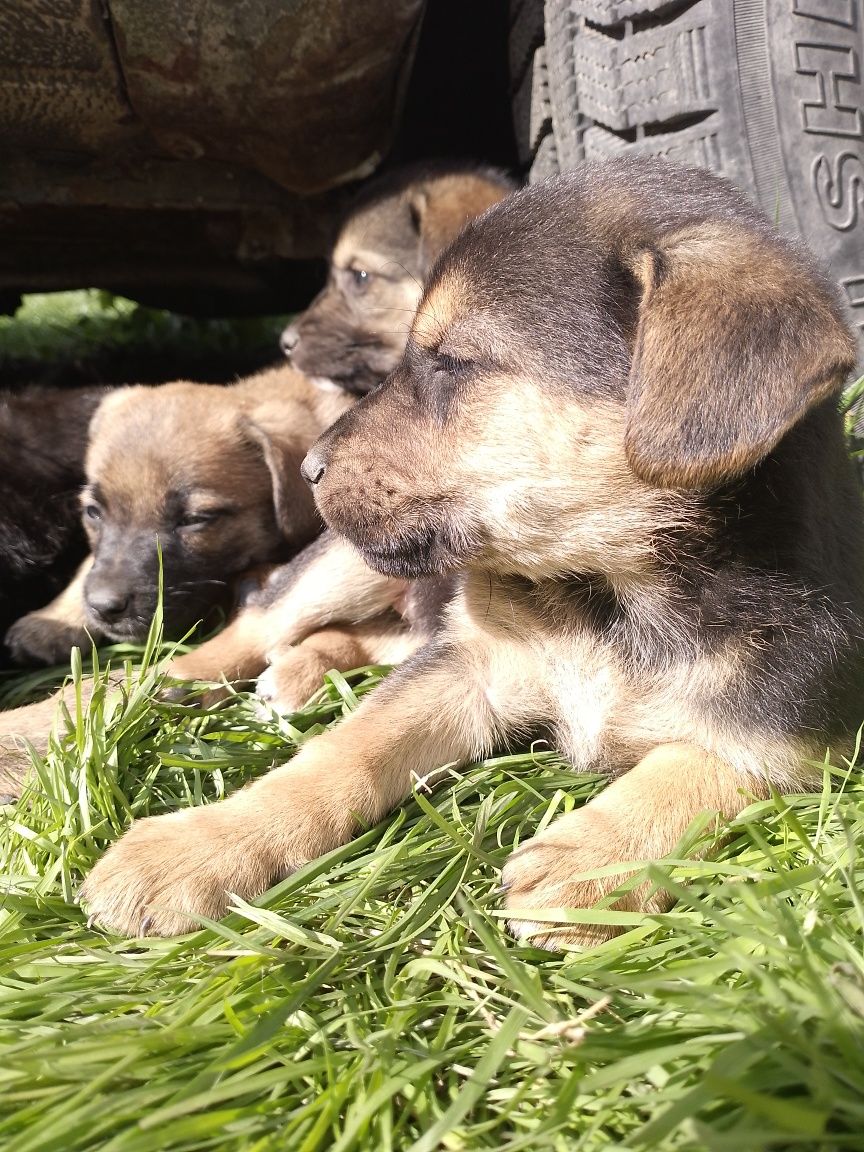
646,618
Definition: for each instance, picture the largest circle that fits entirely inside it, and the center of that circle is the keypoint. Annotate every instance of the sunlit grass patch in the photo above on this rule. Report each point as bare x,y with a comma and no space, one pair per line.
88,335
374,1000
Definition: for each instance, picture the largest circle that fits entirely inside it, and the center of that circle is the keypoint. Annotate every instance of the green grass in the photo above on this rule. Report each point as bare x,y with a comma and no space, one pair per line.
374,1001
88,335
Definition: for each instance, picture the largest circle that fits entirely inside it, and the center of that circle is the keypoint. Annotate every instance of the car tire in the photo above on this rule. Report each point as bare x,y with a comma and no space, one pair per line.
766,92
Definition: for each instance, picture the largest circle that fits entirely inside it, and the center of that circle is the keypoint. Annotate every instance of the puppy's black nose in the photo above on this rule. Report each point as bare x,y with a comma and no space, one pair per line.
288,340
314,466
109,603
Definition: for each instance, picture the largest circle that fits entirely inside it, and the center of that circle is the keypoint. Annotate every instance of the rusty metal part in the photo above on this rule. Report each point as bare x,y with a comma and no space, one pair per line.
60,88
234,122
305,92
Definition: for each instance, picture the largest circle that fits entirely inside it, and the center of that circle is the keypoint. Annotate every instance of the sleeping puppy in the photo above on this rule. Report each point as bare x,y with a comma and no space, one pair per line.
209,472
617,417
352,335
43,437
354,332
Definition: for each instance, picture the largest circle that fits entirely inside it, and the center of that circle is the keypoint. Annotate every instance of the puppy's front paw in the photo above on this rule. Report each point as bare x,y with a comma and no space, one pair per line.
209,664
545,873
38,639
168,870
293,675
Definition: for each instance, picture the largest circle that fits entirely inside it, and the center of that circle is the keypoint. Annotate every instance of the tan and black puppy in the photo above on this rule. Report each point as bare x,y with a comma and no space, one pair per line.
354,332
617,416
203,475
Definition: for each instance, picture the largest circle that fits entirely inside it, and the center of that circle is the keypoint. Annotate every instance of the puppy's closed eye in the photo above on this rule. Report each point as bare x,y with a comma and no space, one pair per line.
194,519
455,366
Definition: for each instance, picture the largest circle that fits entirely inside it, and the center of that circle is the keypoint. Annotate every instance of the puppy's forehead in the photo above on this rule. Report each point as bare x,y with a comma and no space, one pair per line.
544,298
148,441
376,235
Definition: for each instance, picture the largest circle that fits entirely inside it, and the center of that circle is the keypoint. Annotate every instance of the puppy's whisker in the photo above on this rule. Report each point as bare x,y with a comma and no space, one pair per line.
408,273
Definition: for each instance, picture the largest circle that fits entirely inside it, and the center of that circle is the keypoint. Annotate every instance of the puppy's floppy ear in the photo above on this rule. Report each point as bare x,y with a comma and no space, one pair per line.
293,503
426,223
737,338
441,208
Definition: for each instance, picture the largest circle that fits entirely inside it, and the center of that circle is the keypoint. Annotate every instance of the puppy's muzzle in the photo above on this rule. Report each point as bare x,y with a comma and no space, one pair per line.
107,601
289,340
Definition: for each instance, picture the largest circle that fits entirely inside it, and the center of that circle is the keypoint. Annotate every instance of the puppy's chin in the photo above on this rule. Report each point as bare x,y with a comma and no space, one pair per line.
345,374
325,384
411,556
361,380
134,629
129,630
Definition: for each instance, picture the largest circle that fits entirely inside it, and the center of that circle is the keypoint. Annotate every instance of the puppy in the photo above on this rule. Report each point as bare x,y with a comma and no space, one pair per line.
352,335
43,437
617,416
354,332
204,478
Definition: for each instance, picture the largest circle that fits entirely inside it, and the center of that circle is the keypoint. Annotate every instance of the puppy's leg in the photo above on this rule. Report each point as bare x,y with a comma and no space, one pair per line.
32,724
48,635
295,671
641,816
327,583
433,710
237,653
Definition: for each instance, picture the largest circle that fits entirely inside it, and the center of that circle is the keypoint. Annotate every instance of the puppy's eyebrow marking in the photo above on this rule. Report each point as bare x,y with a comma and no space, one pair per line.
428,330
185,499
476,339
437,314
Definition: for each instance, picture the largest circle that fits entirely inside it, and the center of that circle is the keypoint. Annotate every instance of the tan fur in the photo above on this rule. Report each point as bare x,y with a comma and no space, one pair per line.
208,429
454,709
354,332
242,443
639,818
166,869
32,726
334,585
395,237
440,207
237,653
443,206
